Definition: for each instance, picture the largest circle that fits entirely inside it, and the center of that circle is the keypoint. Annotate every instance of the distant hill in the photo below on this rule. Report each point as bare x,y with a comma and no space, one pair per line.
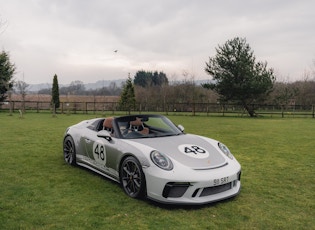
88,86
103,83
37,87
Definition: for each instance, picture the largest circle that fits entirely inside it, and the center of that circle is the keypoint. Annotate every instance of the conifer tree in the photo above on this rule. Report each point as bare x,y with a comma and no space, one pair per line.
127,98
55,94
238,77
7,70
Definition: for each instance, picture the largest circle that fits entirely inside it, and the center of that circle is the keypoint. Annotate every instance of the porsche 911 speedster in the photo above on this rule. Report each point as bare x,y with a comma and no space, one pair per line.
151,157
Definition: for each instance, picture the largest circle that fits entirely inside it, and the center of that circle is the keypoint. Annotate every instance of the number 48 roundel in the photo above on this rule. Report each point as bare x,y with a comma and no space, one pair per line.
99,153
194,151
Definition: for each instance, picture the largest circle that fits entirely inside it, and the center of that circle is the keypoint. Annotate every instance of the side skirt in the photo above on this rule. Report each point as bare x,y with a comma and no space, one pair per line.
98,172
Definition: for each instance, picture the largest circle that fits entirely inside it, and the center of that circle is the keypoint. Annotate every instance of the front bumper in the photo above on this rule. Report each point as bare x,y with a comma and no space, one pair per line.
193,186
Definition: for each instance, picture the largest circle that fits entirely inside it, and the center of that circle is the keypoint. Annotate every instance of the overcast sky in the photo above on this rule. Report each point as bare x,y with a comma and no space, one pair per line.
76,39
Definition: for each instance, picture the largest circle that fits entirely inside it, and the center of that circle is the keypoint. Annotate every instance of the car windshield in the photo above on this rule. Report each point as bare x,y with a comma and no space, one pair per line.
144,126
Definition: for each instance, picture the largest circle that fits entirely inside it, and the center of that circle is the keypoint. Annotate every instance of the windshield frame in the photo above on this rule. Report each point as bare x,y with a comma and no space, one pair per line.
155,125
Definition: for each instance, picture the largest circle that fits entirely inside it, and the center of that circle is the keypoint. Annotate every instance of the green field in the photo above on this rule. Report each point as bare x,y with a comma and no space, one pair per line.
39,191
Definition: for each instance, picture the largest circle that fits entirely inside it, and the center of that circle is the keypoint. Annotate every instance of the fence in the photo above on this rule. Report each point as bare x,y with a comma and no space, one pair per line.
167,108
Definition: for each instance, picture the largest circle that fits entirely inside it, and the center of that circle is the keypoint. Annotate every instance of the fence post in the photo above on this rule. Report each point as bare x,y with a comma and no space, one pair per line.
282,111
313,108
54,109
207,109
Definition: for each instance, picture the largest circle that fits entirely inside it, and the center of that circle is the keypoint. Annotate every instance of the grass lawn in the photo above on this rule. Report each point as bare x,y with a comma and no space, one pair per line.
39,191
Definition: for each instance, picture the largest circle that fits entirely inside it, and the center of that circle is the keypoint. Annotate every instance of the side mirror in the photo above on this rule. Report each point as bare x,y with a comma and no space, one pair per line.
181,128
104,134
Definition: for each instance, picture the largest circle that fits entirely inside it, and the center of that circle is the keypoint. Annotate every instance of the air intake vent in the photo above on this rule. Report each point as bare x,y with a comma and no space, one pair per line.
217,189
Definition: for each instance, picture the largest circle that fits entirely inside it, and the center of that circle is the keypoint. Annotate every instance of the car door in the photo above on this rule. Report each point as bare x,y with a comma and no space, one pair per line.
102,153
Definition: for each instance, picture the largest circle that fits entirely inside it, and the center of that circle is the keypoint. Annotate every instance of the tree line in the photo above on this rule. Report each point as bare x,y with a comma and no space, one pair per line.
236,77
283,94
78,88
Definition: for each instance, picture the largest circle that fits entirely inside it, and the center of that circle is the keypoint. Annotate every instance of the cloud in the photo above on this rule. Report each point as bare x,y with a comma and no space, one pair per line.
76,39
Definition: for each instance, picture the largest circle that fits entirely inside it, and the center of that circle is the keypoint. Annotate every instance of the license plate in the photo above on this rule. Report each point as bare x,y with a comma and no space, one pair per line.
220,181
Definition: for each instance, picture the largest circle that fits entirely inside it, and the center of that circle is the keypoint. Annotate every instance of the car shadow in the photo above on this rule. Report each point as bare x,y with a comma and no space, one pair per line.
187,206
154,203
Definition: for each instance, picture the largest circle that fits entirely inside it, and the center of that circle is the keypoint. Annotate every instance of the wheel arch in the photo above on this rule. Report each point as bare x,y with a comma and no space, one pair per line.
143,161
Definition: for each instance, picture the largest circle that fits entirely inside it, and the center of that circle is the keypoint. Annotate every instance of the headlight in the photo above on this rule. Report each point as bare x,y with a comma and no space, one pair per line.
161,160
225,150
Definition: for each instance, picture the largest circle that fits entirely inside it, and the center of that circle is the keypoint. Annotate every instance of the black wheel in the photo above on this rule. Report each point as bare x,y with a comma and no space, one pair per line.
69,151
132,178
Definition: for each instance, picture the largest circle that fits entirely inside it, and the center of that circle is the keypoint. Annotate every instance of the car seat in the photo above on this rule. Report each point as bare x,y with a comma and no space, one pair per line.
108,125
137,125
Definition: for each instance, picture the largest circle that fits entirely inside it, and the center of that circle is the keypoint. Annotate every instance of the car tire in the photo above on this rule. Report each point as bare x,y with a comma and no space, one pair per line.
132,178
69,152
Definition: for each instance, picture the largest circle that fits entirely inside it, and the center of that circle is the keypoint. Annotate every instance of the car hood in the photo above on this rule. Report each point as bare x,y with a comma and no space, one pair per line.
190,150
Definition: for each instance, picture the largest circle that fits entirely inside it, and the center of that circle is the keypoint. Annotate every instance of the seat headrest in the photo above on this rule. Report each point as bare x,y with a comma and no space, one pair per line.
136,122
108,123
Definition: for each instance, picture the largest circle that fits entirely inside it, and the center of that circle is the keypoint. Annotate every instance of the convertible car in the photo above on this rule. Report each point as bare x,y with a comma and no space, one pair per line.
151,157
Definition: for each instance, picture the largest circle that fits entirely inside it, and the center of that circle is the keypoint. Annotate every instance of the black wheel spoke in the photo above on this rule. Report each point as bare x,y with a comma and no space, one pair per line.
132,187
127,171
137,183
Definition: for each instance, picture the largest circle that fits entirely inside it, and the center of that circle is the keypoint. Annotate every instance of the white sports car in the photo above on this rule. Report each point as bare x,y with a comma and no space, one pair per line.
151,157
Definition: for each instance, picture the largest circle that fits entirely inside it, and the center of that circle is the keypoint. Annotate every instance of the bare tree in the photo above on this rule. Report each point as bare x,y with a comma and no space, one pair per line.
306,89
21,88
